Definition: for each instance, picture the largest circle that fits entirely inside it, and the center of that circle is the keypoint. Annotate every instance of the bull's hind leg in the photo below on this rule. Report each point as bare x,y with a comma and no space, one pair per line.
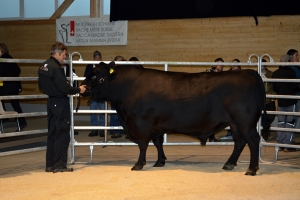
252,140
240,138
239,144
143,145
161,160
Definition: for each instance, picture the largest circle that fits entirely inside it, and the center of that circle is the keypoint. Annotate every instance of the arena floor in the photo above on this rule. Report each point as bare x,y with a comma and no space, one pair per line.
191,172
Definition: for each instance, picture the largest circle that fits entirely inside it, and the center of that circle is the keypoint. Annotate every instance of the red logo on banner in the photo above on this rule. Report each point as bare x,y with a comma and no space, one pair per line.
72,28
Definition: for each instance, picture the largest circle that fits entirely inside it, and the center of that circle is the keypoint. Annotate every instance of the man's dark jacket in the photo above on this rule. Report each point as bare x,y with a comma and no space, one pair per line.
52,79
9,70
285,88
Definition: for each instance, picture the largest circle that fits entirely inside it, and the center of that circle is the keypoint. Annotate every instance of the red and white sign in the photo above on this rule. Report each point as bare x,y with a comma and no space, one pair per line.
72,30
84,31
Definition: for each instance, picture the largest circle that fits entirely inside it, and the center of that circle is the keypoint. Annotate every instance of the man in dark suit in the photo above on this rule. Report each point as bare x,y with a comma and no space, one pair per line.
11,87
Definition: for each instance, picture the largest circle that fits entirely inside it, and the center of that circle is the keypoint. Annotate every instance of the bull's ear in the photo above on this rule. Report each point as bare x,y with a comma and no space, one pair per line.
112,65
102,63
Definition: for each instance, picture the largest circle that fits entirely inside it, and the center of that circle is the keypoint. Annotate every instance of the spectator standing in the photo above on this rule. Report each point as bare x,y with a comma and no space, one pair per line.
136,59
235,67
96,119
218,68
11,87
286,105
53,82
294,57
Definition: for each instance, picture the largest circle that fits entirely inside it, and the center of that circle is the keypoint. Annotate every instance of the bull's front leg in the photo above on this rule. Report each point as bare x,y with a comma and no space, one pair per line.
161,160
143,145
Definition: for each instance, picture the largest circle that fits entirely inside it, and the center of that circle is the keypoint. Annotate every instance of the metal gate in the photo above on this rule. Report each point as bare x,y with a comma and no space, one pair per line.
74,143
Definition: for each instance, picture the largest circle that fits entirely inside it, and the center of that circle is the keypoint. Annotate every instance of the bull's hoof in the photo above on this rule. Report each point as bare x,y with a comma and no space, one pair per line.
159,164
228,166
137,167
250,173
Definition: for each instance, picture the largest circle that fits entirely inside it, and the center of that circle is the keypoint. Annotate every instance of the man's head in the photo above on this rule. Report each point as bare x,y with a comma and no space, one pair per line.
263,67
285,58
3,49
119,58
133,59
235,67
219,68
59,51
293,55
97,56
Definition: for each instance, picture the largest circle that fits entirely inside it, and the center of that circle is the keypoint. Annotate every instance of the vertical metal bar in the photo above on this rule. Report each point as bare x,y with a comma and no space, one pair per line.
166,66
259,72
22,8
259,67
166,135
72,147
105,122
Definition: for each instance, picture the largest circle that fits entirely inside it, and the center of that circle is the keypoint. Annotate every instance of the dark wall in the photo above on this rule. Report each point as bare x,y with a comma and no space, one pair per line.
179,9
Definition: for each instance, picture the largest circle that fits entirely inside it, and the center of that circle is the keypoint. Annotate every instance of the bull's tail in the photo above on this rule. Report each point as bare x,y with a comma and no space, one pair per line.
264,118
264,122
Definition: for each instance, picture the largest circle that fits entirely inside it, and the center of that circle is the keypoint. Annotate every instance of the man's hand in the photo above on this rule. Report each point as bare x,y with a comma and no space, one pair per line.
82,88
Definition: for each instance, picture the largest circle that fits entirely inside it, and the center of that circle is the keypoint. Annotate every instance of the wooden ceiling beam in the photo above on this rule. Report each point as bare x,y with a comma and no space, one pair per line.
95,8
62,8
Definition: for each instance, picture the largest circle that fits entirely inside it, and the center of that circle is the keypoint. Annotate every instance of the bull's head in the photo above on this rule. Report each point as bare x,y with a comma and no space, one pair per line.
97,78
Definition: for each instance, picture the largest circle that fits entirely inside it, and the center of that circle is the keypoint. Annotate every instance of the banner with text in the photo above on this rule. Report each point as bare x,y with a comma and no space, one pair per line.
84,31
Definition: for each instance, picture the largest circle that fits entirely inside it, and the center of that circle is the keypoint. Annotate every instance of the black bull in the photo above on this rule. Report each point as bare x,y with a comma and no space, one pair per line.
151,102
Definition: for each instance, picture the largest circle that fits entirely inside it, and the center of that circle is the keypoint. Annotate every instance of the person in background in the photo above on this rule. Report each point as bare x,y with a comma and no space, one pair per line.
136,59
235,67
119,58
11,87
96,119
270,103
294,57
285,105
218,68
52,81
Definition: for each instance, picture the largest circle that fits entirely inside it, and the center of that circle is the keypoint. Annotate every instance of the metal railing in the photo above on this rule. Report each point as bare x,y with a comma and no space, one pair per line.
74,143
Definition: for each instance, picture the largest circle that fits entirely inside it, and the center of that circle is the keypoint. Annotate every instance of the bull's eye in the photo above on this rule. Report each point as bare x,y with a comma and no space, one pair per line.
94,77
101,80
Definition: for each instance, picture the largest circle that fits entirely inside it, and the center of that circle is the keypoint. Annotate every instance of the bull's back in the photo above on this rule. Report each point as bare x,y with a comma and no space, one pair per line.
193,88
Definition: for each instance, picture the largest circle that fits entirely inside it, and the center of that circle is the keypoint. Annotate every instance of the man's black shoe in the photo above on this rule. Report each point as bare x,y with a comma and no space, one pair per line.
115,135
290,149
101,133
281,149
49,169
214,140
93,133
266,138
21,128
295,143
62,170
